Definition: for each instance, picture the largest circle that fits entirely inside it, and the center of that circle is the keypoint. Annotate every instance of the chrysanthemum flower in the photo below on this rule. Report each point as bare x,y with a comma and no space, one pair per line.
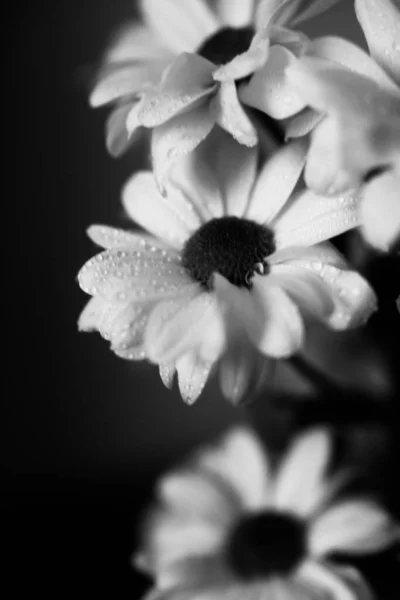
233,264
229,526
359,140
181,71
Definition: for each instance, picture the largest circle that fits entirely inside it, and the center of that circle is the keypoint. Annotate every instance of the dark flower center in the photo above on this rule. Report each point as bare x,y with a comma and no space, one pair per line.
235,248
227,43
266,543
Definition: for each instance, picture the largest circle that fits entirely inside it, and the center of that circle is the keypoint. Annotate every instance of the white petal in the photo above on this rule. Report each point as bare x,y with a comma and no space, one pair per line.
274,11
241,462
280,328
167,372
353,297
136,42
124,80
235,13
307,290
334,582
380,21
91,316
121,276
325,172
117,138
193,373
230,115
170,218
300,485
343,52
185,82
177,327
302,123
276,181
380,211
269,90
177,137
309,218
182,26
243,65
109,237
357,526
295,41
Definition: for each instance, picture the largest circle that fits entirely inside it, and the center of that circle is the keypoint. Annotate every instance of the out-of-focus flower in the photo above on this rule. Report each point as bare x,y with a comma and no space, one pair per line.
359,140
232,265
188,66
228,526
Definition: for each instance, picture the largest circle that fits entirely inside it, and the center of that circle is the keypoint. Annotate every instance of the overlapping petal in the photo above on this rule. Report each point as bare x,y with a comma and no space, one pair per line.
380,211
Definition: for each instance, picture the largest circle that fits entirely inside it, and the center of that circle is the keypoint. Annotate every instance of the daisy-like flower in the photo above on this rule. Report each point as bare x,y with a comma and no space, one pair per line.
232,265
359,140
181,71
228,526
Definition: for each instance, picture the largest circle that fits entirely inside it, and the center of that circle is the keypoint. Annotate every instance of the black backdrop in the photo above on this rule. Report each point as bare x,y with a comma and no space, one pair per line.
85,432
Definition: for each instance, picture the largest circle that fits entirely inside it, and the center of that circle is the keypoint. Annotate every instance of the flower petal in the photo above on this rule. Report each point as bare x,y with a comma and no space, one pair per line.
380,21
241,462
280,330
167,372
118,139
189,323
300,485
269,89
274,11
353,297
276,181
354,526
302,123
92,315
343,52
121,276
109,237
315,8
117,81
193,373
235,13
177,137
186,81
243,65
136,42
230,115
181,26
309,218
334,582
380,211
171,218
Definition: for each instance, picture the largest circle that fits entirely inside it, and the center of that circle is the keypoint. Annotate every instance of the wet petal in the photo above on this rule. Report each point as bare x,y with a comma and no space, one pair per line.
337,582
280,330
171,218
343,52
380,211
178,137
235,13
245,64
193,373
109,237
121,276
357,526
167,372
91,317
188,323
181,26
241,462
186,81
276,181
117,81
269,89
301,486
380,21
309,218
230,115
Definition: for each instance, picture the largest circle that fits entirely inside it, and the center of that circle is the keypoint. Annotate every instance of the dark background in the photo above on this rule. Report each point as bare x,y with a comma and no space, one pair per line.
85,433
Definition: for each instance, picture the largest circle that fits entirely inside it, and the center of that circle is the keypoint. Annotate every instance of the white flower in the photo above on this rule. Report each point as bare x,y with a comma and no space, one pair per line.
229,271
180,72
230,527
360,137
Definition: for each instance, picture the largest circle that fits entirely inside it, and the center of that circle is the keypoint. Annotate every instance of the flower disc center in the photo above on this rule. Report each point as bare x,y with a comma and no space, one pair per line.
266,543
228,42
235,248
